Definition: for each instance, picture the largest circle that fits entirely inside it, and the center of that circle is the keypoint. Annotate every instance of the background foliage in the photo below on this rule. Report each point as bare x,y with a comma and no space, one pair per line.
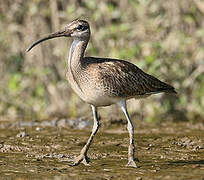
164,38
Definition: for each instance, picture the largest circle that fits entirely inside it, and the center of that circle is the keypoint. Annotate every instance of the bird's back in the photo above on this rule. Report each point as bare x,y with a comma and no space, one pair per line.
119,78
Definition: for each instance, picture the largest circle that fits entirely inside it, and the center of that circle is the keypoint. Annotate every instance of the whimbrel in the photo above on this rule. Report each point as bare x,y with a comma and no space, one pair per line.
104,81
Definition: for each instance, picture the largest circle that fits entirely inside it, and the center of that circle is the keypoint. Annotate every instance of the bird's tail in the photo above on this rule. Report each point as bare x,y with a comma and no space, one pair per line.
170,90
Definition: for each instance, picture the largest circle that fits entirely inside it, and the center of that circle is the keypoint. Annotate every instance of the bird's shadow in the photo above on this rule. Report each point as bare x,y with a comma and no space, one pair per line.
185,162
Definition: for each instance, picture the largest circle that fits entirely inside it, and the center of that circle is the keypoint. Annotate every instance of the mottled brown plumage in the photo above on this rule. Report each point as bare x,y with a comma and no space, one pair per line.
123,79
104,81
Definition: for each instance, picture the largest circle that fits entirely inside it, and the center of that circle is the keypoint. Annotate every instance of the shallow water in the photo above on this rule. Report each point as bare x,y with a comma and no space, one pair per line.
37,151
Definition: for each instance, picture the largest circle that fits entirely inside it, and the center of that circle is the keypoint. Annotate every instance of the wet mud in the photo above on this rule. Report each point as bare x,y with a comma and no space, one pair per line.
44,150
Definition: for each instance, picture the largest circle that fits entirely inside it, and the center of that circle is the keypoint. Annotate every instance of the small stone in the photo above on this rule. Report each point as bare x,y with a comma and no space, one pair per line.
22,134
157,168
38,129
138,178
195,165
62,123
1,145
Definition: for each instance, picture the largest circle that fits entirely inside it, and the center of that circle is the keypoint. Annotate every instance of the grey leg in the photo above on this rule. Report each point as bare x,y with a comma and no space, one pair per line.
130,128
83,154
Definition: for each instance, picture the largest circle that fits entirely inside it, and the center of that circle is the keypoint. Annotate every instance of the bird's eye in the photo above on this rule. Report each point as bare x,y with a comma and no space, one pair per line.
80,27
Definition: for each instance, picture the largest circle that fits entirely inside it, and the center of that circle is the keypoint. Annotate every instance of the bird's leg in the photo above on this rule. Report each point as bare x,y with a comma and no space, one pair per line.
83,154
130,127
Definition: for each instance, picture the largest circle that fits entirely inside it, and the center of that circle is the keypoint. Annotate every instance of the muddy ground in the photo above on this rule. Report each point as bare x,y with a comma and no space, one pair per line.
44,150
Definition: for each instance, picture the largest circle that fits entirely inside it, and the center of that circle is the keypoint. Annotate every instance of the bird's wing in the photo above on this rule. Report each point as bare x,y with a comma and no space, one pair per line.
124,79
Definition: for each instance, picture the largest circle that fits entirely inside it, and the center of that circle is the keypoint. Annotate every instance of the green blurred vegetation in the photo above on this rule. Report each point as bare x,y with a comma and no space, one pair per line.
164,38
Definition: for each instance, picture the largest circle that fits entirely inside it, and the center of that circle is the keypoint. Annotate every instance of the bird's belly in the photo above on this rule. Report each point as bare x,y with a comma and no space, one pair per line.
101,100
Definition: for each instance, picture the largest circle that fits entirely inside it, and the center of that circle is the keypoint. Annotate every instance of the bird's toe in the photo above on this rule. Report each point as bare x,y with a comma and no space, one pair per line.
132,164
81,159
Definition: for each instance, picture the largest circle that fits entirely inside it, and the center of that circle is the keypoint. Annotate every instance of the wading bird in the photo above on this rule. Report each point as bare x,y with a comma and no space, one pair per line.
104,81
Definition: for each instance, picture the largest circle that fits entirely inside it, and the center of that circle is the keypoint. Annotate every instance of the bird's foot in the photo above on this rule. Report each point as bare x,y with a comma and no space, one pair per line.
81,159
131,163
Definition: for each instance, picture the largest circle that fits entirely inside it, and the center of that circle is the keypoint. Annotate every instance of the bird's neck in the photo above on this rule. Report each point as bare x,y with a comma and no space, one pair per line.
76,53
75,64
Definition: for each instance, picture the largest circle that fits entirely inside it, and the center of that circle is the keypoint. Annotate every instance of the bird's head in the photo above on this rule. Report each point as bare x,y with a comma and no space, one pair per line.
78,29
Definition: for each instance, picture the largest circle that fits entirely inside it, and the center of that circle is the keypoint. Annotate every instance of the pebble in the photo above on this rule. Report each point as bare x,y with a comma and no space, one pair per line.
38,129
1,145
22,134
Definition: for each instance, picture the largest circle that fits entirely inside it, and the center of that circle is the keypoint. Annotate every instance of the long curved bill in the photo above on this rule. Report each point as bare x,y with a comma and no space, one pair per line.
50,36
